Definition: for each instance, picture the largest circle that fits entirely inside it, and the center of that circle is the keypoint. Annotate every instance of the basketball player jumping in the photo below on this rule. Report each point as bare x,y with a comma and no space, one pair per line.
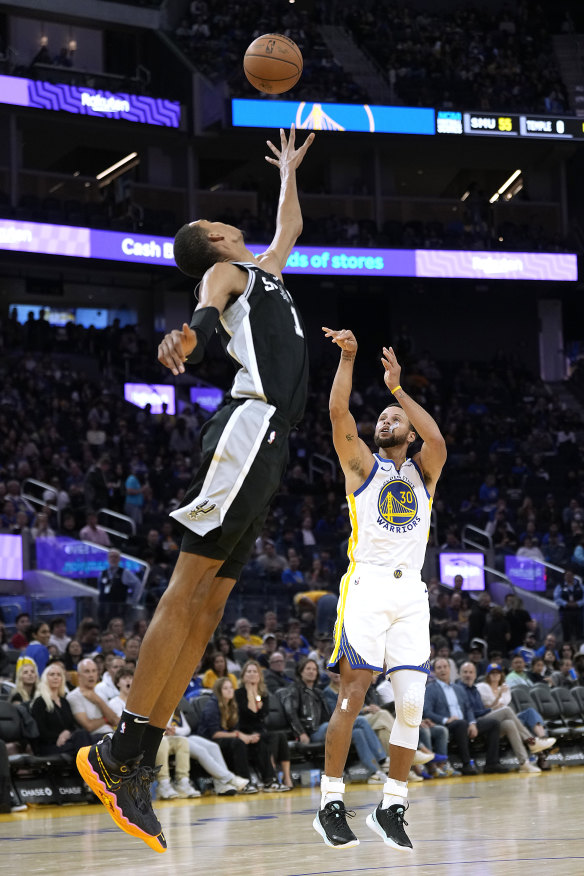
244,454
383,613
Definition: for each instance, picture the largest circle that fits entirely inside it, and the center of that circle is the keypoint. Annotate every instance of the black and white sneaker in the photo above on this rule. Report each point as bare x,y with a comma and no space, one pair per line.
389,824
331,824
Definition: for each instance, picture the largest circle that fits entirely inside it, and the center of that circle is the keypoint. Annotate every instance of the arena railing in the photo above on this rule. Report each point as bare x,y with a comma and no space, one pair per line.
112,517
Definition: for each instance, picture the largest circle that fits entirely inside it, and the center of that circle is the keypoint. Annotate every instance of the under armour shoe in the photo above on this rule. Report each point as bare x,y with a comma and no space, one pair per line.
124,789
389,824
331,824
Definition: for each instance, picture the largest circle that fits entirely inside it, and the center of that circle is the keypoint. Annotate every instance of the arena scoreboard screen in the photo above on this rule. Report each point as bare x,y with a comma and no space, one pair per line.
509,125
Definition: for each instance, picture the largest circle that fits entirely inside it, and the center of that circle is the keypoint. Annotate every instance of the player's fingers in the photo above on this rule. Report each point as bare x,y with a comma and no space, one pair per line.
273,148
306,143
283,140
292,135
272,161
385,364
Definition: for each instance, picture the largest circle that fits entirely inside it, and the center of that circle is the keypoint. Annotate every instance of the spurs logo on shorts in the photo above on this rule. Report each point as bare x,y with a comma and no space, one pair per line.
201,509
397,502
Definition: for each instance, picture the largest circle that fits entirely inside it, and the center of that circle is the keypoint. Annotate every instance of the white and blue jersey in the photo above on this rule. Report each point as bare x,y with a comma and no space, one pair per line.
383,612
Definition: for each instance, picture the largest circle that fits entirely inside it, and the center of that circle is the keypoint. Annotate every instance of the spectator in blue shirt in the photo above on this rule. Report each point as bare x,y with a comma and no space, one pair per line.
569,597
527,649
134,499
38,647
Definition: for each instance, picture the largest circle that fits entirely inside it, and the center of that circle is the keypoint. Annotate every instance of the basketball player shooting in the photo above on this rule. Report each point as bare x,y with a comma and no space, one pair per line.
383,613
244,455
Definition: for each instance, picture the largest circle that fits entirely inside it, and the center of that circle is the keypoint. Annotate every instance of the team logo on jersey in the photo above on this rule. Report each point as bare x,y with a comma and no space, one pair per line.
397,503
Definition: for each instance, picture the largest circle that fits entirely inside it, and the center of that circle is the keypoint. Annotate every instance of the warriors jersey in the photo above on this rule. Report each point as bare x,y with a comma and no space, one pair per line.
390,516
263,335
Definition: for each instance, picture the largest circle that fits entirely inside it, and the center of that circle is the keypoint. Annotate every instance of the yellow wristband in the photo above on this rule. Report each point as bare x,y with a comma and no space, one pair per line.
393,391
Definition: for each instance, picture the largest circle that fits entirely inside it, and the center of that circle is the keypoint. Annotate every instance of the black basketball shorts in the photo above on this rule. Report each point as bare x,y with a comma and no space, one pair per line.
244,455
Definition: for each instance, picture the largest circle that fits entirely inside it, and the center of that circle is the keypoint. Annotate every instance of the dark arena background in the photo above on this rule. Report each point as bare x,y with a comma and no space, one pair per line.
442,206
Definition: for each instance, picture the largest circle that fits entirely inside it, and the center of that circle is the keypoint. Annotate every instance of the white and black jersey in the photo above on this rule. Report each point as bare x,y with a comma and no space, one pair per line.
263,335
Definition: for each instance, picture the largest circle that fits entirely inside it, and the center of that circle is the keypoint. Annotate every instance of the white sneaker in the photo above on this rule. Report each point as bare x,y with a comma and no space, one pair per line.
421,757
542,743
414,777
378,778
385,765
224,789
528,767
184,788
165,790
19,807
239,783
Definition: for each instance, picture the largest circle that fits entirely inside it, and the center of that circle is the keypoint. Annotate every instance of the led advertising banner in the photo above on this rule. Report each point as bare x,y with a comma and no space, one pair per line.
77,99
67,240
76,559
525,572
332,116
153,394
11,557
469,565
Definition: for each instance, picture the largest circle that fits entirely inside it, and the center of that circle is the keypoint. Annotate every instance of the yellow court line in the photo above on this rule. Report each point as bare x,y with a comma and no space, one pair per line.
42,811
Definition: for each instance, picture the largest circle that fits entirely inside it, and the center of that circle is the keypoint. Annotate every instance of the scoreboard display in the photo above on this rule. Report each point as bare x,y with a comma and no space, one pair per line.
509,125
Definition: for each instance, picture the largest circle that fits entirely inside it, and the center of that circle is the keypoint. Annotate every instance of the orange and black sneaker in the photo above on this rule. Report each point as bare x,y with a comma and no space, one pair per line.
124,789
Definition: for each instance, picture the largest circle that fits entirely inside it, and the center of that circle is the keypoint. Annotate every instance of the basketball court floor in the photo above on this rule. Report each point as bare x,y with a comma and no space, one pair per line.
490,825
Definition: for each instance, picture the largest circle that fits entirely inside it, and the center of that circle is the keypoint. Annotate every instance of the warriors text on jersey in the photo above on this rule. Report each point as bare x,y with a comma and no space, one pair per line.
263,335
390,516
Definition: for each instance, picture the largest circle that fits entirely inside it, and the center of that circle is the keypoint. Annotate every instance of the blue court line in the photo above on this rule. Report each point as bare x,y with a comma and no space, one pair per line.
435,864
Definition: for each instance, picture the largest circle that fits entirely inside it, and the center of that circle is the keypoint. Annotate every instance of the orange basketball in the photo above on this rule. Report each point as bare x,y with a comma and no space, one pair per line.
273,63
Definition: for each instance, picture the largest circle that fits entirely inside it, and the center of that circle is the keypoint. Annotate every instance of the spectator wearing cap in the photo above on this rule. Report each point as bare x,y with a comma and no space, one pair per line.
270,643
218,669
528,649
477,654
275,675
243,638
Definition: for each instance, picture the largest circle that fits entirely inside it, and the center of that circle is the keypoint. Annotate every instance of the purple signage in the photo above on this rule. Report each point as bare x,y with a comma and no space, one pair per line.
469,565
153,249
525,572
11,557
496,265
76,559
88,101
153,394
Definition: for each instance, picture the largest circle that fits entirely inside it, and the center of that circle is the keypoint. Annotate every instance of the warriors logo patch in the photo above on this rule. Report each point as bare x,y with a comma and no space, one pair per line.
397,503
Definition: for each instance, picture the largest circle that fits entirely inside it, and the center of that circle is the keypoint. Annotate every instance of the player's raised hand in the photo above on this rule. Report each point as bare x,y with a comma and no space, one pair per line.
175,347
287,156
344,338
392,368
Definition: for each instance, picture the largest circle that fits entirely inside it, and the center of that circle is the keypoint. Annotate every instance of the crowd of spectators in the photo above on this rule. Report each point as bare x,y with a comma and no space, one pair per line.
216,40
467,58
514,469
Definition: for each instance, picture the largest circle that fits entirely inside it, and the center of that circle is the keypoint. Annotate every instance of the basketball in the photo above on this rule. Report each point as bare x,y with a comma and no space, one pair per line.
273,63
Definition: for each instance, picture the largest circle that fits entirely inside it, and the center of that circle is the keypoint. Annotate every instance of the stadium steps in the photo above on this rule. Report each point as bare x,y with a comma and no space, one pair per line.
357,64
569,51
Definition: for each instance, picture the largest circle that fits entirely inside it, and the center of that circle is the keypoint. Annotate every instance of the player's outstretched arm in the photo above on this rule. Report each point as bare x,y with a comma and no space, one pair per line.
432,456
219,285
289,219
354,456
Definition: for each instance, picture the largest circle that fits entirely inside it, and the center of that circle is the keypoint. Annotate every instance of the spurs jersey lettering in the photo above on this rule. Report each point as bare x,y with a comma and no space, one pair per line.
261,327
390,516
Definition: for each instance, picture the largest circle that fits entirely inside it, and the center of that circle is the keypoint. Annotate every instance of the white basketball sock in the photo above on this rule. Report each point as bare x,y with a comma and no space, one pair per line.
394,792
331,789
